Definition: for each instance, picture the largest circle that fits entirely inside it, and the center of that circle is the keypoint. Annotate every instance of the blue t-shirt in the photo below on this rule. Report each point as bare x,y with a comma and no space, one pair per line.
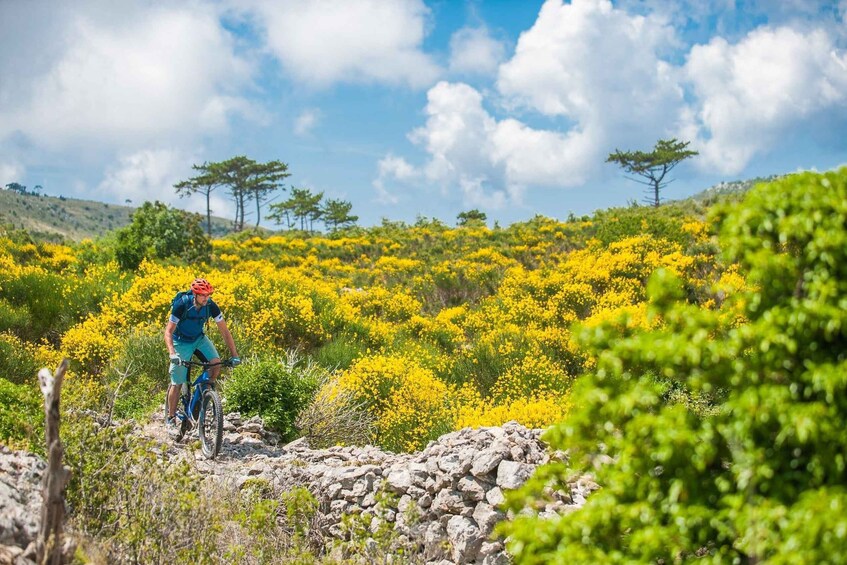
189,320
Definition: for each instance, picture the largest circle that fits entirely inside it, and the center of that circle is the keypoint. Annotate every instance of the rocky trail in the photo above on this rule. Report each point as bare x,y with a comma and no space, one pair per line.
441,503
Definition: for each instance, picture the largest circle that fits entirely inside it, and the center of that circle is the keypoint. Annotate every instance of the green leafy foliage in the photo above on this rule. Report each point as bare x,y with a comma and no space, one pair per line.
761,475
303,208
21,416
35,307
336,214
17,364
471,218
300,509
42,304
276,390
160,232
616,224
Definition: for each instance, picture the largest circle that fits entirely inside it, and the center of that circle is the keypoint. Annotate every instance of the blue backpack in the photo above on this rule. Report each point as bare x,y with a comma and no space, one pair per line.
182,303
183,298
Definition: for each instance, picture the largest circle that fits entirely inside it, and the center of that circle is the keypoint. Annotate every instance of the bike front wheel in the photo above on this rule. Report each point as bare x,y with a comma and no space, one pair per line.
211,428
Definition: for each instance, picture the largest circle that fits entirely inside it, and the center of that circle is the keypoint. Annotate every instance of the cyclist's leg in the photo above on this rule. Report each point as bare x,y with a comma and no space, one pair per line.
206,350
179,375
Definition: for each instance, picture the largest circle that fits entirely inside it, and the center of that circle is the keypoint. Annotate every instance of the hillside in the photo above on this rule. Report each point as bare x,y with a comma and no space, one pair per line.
53,218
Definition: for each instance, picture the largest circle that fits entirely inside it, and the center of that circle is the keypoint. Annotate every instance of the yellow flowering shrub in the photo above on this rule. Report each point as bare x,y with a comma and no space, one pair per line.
440,330
409,403
623,317
532,375
288,321
624,262
379,302
535,411
389,269
93,342
149,297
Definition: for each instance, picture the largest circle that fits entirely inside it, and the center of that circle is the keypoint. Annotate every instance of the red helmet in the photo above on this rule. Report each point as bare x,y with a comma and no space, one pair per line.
201,286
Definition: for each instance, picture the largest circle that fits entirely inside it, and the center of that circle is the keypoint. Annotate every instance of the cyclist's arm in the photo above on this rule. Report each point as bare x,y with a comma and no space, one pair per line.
169,337
227,337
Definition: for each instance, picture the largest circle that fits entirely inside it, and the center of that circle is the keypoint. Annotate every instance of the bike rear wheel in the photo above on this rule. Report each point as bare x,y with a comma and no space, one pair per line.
211,428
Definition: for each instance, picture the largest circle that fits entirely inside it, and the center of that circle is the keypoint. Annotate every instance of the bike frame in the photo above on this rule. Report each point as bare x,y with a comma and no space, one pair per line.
193,403
193,408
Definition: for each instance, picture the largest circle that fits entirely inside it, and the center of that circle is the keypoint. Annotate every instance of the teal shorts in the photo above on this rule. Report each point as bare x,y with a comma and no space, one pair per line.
202,346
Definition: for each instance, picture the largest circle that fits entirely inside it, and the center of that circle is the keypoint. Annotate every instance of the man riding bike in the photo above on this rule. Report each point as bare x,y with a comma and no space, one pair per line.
185,336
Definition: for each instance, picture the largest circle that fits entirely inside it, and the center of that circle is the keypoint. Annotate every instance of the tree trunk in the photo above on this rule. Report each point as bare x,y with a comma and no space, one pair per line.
258,209
209,213
49,543
242,207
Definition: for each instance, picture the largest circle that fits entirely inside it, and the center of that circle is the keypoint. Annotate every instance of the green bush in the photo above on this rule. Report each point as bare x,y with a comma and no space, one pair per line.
158,231
21,416
17,365
760,477
664,222
339,353
14,318
141,509
36,306
276,390
44,305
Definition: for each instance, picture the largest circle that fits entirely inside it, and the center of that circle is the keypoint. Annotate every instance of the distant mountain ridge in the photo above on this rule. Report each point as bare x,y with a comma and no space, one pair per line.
54,218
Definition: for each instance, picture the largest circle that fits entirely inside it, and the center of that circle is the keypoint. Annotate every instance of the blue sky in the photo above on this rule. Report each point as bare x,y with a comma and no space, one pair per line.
412,108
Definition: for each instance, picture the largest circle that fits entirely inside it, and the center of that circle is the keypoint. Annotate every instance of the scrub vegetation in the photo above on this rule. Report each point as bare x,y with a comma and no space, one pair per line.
700,345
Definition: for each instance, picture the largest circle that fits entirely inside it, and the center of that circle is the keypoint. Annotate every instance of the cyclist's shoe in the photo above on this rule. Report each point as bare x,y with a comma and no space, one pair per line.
172,427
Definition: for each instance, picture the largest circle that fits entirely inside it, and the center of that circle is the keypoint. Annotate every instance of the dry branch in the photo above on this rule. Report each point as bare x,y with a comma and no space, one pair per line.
49,542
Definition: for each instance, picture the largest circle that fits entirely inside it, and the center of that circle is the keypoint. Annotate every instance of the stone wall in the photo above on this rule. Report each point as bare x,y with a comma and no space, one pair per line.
20,503
440,504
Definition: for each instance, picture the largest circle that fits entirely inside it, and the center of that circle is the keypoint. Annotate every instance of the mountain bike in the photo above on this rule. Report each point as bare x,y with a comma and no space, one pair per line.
200,406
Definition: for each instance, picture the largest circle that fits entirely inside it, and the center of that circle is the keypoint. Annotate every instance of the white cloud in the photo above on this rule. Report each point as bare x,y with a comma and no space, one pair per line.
601,70
731,19
10,171
307,120
474,51
594,64
392,168
587,63
146,175
457,134
466,143
322,42
491,162
475,194
547,158
118,78
771,84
